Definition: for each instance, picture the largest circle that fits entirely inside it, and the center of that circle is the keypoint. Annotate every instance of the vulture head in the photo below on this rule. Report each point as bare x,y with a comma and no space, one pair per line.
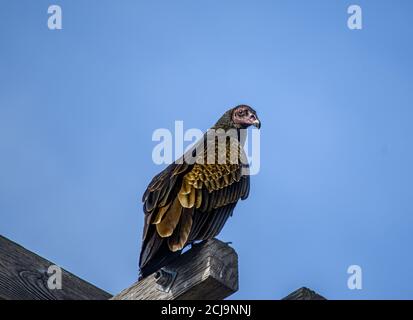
240,117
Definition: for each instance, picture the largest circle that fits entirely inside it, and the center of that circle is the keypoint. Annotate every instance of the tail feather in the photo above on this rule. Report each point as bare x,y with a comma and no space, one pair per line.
149,262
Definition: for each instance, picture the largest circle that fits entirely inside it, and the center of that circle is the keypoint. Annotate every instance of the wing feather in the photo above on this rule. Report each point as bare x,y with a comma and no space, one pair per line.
186,203
180,235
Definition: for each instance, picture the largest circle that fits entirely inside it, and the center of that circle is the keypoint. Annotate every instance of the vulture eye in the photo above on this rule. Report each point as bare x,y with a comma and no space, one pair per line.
241,112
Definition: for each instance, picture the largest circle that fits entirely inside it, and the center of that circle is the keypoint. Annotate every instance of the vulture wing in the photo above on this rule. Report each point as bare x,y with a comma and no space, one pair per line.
190,202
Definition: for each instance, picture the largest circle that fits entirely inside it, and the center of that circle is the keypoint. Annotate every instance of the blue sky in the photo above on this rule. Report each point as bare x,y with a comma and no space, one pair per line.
78,108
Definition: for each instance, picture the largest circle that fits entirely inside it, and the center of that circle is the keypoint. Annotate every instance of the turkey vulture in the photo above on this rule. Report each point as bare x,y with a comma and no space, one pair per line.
191,200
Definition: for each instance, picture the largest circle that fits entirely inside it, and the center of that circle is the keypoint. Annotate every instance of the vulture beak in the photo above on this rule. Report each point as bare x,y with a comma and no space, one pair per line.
257,123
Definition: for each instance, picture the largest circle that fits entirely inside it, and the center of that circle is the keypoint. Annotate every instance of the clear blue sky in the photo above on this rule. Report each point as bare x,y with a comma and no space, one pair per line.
78,108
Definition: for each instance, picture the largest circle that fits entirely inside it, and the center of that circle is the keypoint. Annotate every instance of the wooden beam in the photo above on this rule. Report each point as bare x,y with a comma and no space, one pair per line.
23,276
207,271
304,294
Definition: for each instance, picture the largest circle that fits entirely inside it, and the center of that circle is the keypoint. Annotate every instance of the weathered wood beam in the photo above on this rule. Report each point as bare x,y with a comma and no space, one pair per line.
207,271
23,276
304,294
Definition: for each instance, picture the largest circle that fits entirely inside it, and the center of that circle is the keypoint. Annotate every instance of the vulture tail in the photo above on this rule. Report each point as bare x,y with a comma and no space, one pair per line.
163,257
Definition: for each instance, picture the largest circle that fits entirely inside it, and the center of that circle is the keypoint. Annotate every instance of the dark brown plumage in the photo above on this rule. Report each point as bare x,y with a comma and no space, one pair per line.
191,201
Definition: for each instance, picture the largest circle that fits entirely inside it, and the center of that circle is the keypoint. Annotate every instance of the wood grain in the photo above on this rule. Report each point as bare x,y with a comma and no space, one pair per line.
207,271
23,276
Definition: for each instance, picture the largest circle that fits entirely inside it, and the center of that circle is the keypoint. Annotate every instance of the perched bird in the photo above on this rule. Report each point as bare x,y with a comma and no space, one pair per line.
190,201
